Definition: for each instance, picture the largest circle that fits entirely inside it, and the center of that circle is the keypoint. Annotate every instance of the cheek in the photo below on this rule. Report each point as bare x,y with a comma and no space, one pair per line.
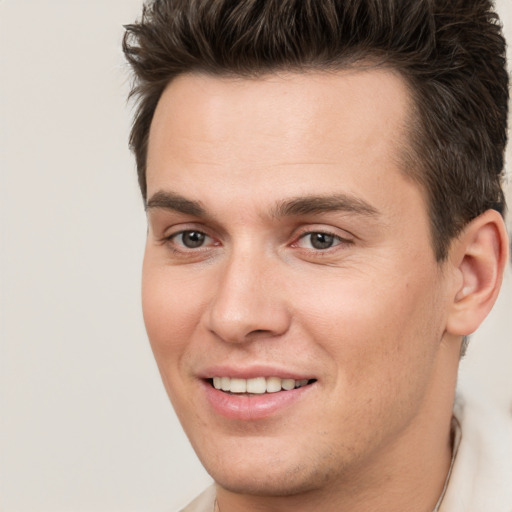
373,328
171,315
170,309
380,351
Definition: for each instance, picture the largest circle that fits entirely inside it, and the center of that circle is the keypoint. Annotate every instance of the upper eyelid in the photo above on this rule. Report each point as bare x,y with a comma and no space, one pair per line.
174,234
342,234
175,226
301,232
183,227
221,232
341,240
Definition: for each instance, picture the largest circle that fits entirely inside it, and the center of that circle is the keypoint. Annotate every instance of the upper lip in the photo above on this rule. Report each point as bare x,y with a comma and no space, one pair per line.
252,371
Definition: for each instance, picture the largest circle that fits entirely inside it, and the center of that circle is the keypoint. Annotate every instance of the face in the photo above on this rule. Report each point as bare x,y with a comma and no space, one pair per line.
289,263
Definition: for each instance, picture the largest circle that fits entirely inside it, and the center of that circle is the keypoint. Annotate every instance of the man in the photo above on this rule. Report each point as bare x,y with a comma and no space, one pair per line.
322,185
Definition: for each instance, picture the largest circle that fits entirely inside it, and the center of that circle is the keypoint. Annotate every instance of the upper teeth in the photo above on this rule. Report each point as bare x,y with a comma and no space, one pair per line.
258,385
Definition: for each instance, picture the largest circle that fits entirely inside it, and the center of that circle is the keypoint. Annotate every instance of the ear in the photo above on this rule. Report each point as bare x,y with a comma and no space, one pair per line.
479,256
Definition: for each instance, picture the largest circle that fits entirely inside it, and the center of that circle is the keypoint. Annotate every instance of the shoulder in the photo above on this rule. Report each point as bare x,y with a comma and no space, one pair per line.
203,503
482,470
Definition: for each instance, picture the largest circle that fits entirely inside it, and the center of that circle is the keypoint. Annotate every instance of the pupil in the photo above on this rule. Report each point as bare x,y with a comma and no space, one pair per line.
192,239
321,240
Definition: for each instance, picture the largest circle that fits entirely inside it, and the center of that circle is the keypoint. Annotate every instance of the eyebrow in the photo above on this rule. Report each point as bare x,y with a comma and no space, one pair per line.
307,205
175,202
296,206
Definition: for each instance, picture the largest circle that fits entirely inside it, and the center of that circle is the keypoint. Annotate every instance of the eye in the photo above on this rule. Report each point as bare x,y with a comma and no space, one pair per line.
319,241
190,239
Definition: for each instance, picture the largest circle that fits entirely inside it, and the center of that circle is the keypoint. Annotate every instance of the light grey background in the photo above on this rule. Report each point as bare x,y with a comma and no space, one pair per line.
84,421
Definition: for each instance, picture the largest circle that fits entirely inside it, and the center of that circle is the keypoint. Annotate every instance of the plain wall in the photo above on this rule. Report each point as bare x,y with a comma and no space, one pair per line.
85,424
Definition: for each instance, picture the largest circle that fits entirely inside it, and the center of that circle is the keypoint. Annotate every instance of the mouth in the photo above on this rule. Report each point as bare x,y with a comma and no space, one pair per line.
257,386
258,397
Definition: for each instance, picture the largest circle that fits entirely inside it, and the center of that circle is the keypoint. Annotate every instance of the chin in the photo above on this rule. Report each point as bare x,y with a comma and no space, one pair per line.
271,478
264,485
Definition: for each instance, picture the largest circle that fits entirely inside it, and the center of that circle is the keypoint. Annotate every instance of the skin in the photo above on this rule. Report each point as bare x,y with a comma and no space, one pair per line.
371,318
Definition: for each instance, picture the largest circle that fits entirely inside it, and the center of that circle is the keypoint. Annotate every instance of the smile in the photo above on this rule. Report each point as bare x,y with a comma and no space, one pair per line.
255,398
257,385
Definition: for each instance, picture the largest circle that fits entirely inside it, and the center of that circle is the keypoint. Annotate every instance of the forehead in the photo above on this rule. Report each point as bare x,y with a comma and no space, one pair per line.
278,133
307,105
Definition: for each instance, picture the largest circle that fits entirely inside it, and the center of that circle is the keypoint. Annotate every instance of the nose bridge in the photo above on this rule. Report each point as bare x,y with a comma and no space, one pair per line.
248,300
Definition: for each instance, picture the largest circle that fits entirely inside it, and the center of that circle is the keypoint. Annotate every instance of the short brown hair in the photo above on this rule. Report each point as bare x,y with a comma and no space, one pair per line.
450,52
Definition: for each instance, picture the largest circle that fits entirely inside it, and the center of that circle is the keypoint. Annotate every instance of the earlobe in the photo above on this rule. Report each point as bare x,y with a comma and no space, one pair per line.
479,255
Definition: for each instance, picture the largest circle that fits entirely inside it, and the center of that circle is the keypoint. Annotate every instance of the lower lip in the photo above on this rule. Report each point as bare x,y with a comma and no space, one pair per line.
255,407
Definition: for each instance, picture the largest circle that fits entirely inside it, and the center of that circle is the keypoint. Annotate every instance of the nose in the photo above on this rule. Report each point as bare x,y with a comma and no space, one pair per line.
248,302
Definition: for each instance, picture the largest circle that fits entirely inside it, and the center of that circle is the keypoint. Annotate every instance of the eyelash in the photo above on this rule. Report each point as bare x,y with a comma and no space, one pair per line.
337,240
182,249
171,240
